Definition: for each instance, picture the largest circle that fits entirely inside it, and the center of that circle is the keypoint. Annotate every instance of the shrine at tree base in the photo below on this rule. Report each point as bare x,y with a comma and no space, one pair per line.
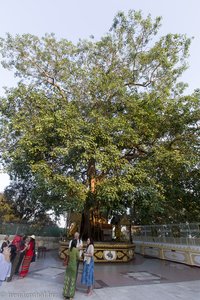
106,251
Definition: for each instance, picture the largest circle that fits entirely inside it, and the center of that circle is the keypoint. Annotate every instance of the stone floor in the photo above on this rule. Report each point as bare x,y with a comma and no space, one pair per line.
143,278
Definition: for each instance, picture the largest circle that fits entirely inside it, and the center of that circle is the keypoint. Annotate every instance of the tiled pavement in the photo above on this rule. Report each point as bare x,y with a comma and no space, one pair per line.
142,279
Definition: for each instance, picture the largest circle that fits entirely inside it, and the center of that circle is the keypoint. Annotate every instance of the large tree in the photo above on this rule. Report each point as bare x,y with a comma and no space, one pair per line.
101,125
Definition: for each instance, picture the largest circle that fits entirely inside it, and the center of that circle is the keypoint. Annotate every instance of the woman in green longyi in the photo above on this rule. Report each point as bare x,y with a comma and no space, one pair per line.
71,271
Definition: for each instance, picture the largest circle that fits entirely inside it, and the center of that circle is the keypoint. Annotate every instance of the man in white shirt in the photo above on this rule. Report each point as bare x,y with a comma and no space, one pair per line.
79,244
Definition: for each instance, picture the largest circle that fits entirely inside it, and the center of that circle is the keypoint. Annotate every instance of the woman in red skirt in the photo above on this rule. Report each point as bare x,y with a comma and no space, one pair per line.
28,257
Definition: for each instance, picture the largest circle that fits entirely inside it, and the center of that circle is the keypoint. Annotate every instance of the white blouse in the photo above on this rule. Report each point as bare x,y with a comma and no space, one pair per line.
90,250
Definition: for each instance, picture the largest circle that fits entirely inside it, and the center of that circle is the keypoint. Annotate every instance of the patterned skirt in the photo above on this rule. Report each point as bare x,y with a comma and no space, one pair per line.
70,283
25,266
88,273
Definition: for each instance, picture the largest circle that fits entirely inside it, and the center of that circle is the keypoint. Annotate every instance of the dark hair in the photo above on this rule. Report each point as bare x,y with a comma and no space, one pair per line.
24,237
91,242
73,244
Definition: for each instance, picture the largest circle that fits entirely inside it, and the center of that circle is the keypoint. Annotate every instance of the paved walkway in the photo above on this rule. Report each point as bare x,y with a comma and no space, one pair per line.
142,279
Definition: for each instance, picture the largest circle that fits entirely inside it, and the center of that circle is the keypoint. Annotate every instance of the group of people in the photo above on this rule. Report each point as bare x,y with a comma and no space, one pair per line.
16,256
75,253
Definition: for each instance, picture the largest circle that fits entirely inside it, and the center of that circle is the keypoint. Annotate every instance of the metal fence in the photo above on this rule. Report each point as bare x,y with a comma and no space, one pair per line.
187,233
29,229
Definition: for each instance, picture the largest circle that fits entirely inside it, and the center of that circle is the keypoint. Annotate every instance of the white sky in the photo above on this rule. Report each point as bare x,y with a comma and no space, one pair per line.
74,19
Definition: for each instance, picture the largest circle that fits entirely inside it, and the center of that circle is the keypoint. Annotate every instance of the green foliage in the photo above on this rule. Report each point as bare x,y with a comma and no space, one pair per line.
7,212
112,110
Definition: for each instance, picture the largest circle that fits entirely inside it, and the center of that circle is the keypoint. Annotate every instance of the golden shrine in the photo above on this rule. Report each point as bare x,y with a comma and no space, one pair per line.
107,250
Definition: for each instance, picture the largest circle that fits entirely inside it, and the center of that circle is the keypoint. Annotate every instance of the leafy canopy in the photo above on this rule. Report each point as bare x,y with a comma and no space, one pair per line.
111,111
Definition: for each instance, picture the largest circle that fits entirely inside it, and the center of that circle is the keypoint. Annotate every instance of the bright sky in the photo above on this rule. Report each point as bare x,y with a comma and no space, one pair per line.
74,19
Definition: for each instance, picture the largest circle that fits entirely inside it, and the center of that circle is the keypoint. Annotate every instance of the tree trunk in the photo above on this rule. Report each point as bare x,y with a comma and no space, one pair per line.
85,230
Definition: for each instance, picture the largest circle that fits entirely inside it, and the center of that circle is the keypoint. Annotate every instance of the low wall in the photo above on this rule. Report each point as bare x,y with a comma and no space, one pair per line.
187,254
48,242
105,252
